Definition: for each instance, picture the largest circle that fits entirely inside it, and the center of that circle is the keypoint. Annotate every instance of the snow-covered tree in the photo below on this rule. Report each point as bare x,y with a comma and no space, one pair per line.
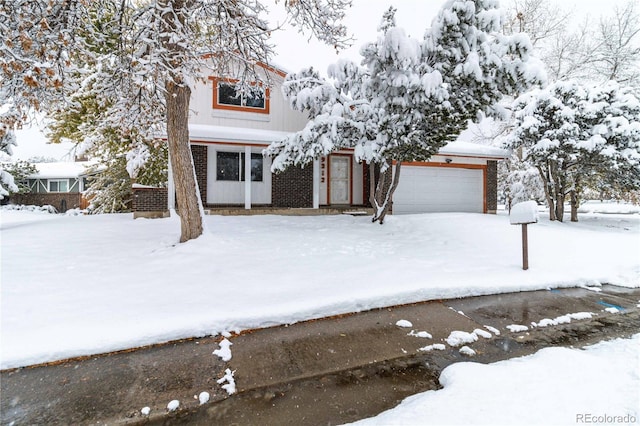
20,170
573,134
520,182
617,49
7,142
161,48
409,97
601,48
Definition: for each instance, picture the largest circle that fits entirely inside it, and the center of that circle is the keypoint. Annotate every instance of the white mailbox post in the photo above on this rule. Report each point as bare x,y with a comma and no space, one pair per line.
524,214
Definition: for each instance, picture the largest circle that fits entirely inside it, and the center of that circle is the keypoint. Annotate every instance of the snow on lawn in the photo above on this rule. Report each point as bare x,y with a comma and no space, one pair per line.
78,285
555,386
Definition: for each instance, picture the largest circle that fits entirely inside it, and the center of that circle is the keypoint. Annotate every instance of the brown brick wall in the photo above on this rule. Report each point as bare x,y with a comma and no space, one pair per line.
199,153
62,201
293,187
492,186
149,199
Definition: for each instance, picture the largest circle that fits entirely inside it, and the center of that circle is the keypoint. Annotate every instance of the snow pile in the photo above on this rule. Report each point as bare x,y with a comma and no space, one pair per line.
565,385
230,385
38,209
517,328
225,350
145,411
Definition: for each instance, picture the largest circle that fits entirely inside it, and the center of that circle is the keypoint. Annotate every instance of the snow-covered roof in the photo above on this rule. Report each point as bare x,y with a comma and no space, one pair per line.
203,132
233,134
473,149
61,170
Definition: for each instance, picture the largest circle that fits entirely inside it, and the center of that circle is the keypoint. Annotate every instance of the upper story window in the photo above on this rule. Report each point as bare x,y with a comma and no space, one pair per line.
225,96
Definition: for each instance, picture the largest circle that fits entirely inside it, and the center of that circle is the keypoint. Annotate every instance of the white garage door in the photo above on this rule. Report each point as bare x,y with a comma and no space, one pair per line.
439,189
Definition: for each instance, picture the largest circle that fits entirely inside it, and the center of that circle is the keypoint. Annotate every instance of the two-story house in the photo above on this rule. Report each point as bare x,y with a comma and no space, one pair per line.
228,133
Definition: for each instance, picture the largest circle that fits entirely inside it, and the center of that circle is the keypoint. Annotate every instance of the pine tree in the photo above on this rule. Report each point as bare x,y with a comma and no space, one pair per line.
409,98
20,171
574,134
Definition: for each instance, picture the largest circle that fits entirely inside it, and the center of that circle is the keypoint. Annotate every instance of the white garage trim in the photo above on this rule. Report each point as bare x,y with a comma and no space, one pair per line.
441,187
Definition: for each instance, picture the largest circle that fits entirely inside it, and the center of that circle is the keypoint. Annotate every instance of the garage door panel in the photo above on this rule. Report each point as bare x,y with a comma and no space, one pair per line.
439,189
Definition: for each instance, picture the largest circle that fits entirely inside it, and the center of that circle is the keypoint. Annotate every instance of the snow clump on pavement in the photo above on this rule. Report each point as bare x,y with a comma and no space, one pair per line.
458,338
516,328
482,333
224,352
493,330
563,319
435,346
422,334
203,397
173,405
404,323
145,411
466,350
230,387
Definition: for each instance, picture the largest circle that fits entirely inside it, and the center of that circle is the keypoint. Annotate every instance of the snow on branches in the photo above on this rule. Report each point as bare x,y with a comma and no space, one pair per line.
141,58
409,97
574,135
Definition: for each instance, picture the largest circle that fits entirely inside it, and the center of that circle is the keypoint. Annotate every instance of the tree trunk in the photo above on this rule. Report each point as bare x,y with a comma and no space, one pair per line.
558,188
187,194
560,207
546,179
383,198
574,206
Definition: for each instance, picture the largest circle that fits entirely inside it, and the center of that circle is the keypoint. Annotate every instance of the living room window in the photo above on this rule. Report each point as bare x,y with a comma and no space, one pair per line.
227,97
230,166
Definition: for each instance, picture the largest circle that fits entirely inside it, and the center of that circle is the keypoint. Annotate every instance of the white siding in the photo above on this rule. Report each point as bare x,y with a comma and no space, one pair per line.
226,192
280,118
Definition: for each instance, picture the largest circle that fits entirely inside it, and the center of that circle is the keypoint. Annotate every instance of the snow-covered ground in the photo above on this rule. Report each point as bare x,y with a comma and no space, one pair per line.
77,285
555,386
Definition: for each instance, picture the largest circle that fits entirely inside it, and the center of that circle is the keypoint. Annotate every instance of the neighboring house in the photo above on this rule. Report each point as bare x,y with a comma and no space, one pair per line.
229,132
57,184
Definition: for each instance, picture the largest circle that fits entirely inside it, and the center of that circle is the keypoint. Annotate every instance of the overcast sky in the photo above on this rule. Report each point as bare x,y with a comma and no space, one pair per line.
296,51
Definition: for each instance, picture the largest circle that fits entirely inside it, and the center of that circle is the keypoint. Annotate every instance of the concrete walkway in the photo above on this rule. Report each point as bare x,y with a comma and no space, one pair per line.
327,371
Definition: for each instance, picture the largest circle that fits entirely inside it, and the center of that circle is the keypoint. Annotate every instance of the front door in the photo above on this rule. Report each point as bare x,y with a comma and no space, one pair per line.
340,181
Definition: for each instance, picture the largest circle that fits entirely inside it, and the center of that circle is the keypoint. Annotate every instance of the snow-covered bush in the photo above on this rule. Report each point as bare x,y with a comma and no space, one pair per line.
30,208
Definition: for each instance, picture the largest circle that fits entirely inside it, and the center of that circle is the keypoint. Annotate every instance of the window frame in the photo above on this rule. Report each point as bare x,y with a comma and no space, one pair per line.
242,107
241,168
58,181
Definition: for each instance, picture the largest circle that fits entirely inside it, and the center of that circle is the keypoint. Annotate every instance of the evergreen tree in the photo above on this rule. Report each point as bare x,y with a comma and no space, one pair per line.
409,98
20,171
574,135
